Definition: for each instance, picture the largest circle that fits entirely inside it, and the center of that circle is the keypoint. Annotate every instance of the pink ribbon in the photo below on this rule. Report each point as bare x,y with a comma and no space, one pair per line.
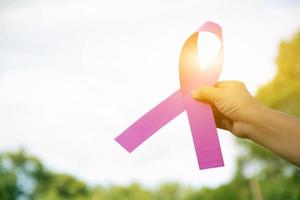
200,114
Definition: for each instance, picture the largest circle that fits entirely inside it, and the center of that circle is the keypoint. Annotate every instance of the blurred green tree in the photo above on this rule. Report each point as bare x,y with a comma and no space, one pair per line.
131,192
169,191
283,92
61,186
19,174
24,177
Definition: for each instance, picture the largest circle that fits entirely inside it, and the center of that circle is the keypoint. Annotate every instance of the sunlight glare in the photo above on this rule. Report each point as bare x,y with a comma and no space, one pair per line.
208,47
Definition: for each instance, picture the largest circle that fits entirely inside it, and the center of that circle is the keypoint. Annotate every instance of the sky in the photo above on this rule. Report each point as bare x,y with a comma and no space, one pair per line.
75,74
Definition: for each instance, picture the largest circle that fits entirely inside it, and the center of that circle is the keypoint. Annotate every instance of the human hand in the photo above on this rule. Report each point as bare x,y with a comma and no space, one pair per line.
232,105
237,111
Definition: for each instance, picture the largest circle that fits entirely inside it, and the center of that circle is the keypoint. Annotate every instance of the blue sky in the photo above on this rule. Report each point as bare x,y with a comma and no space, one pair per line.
74,74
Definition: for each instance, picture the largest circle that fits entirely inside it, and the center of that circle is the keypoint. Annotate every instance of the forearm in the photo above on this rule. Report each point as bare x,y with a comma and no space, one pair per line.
274,130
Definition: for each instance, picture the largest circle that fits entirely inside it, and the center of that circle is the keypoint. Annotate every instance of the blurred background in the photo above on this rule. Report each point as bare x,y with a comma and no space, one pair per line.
75,73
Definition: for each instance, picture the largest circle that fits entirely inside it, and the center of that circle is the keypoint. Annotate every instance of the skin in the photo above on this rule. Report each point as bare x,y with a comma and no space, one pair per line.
237,111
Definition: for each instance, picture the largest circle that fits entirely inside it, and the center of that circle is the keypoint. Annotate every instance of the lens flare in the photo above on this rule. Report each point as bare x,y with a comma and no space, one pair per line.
208,48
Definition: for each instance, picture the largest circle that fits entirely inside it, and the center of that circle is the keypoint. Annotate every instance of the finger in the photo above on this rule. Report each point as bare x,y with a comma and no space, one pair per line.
210,94
230,84
221,120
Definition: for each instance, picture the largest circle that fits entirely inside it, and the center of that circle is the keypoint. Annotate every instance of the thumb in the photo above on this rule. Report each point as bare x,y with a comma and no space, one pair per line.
210,94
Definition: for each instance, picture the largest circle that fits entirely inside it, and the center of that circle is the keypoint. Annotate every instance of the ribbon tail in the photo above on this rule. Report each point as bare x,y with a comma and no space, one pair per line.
152,121
204,133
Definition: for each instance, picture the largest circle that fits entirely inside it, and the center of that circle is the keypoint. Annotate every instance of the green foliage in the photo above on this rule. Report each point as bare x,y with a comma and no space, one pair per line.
61,186
131,192
24,176
283,92
8,185
170,191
